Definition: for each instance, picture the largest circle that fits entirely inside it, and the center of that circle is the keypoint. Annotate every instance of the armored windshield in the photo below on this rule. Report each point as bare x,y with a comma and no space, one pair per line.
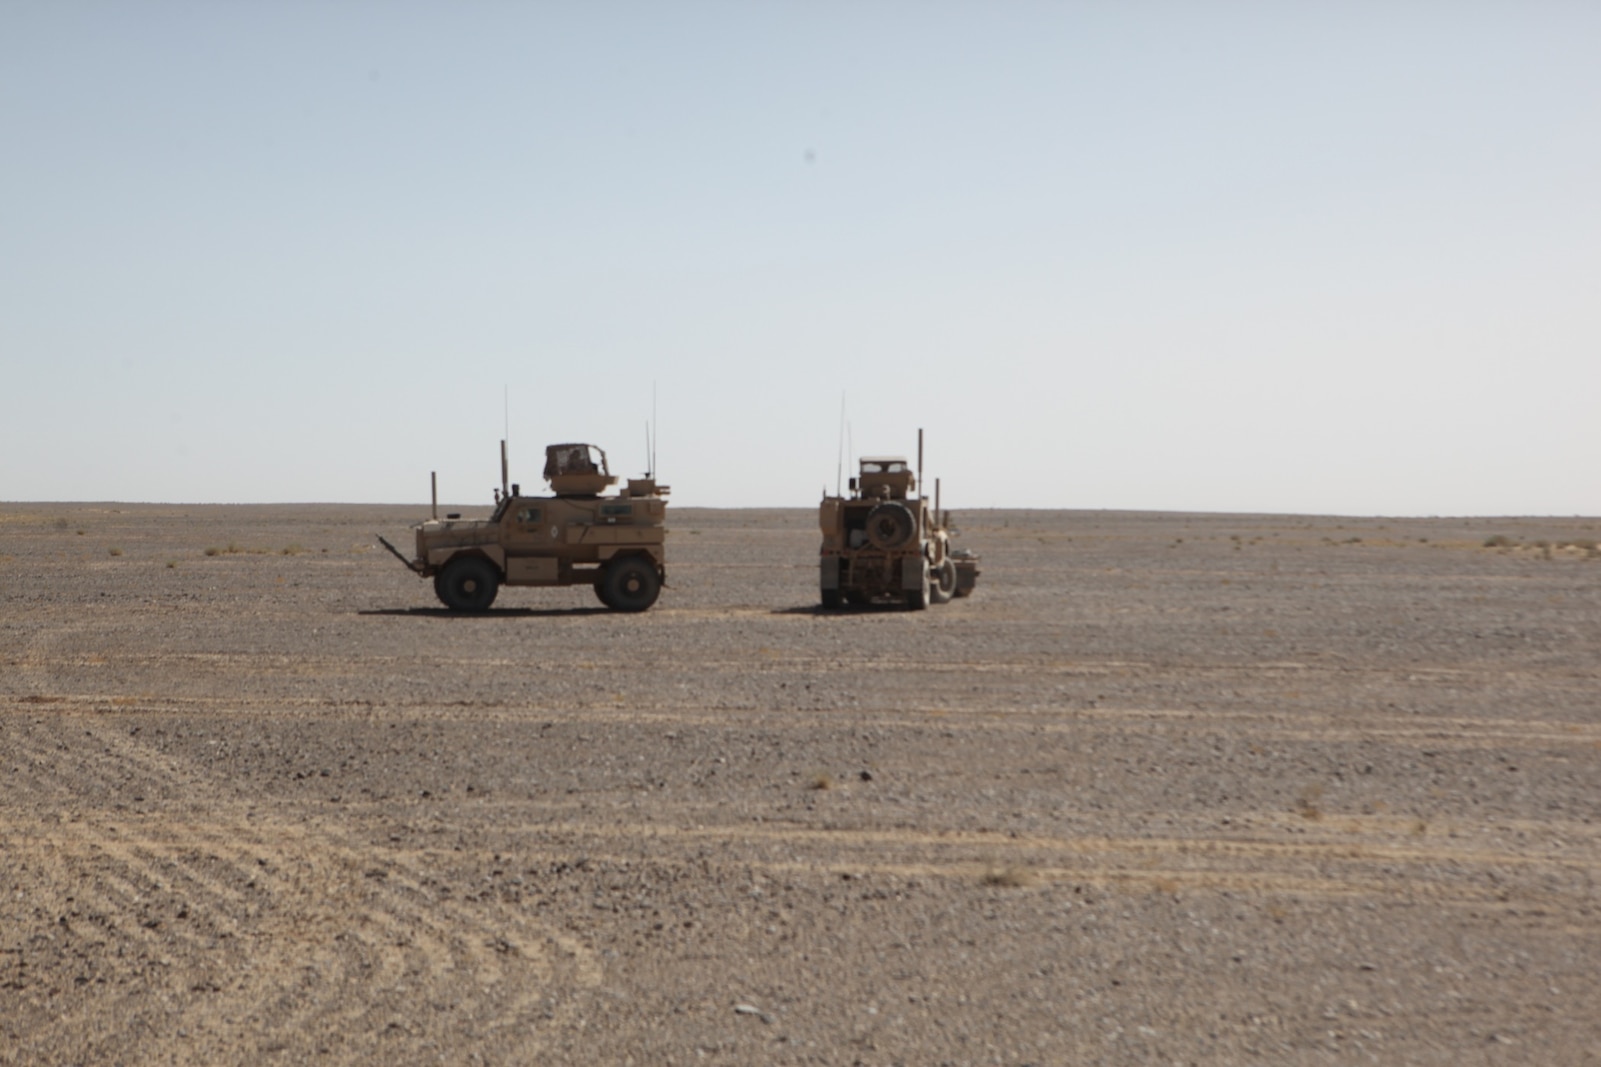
574,459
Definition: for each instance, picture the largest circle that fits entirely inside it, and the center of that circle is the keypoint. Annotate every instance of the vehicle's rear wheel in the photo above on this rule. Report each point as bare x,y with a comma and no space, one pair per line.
890,525
600,593
942,585
917,599
630,584
467,584
831,598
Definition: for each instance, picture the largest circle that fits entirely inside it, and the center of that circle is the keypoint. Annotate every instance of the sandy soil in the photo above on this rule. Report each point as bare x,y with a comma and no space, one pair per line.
1168,789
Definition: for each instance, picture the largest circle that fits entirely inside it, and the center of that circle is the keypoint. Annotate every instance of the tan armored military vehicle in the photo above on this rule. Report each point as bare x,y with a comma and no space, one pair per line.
882,543
576,536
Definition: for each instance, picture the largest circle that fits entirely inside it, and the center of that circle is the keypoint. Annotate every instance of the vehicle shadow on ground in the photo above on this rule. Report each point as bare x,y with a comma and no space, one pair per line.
848,609
492,613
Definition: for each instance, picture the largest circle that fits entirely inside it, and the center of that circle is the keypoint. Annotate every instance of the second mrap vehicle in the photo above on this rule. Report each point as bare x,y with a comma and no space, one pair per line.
881,543
574,537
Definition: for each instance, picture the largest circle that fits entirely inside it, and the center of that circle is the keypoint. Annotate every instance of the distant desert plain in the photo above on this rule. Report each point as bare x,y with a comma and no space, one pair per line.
1167,789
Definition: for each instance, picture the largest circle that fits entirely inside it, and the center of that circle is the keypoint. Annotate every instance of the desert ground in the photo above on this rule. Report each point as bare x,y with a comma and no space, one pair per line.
1167,789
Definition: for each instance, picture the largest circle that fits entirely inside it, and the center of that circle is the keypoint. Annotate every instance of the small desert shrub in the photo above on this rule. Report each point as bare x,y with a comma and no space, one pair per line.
821,781
213,551
292,550
1498,541
114,550
1008,877
172,564
1307,803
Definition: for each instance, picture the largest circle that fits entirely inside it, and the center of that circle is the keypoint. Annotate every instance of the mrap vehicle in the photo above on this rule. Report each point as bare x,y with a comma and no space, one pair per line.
576,536
880,543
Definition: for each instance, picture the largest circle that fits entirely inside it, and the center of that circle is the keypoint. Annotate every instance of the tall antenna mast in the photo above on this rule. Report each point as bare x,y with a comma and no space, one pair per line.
653,427
839,466
919,463
506,412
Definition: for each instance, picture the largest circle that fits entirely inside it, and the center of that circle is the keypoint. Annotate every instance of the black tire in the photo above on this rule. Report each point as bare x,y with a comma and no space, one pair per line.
600,593
942,584
468,583
832,599
630,584
890,525
917,599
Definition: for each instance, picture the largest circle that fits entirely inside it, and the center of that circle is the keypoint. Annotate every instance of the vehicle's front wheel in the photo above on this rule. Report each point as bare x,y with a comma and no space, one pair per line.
942,586
832,598
467,584
630,584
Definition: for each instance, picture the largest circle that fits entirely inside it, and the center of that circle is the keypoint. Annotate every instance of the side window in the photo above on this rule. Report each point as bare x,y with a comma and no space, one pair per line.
617,509
527,515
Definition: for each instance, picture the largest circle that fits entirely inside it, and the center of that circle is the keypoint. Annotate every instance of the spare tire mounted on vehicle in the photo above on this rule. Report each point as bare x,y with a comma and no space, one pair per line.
890,525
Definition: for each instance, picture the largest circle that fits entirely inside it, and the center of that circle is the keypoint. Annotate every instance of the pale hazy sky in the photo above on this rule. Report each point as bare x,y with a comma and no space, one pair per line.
1275,256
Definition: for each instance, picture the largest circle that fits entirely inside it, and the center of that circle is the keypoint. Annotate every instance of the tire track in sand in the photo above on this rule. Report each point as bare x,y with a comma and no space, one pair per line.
1294,724
287,933
1375,859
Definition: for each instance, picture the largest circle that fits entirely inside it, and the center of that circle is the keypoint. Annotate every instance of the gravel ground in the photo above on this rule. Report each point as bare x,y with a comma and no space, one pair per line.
1168,789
